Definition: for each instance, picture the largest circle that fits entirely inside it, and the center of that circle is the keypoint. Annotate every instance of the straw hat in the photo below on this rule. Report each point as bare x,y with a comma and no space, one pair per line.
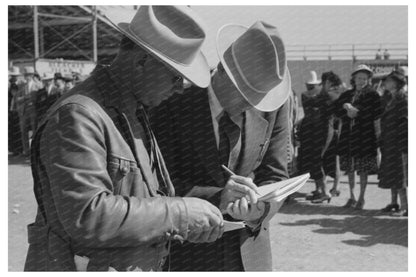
313,79
362,68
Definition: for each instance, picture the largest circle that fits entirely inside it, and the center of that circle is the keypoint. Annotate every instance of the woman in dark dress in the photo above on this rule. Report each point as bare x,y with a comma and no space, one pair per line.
393,143
360,111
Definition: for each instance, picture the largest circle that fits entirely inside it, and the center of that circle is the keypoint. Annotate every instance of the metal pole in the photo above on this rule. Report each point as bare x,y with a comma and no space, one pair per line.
36,31
94,34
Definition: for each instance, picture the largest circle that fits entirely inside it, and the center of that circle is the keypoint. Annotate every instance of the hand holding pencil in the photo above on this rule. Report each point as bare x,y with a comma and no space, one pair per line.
236,188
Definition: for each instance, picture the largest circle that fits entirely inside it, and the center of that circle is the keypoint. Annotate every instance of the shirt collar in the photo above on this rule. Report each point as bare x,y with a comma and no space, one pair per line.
216,108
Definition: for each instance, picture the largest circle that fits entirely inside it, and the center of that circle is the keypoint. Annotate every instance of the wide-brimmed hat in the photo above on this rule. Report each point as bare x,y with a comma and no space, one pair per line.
29,70
255,60
362,68
15,71
403,70
397,76
313,79
174,35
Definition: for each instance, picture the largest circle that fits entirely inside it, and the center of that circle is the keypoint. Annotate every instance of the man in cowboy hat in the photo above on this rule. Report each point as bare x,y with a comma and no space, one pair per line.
105,198
241,121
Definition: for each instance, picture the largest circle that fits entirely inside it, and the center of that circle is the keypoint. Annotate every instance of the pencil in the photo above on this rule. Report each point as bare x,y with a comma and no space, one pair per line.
228,170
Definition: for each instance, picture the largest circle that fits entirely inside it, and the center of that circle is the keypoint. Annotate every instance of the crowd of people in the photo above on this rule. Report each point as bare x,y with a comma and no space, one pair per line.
30,96
133,172
356,130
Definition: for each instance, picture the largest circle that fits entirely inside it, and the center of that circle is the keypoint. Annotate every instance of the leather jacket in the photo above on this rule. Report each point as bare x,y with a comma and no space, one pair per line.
96,197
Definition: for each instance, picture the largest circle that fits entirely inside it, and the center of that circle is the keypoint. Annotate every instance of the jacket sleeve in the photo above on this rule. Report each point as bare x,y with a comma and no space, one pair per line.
74,154
273,167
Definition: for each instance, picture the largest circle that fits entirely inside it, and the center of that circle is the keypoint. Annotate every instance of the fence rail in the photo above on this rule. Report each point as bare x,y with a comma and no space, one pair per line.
348,51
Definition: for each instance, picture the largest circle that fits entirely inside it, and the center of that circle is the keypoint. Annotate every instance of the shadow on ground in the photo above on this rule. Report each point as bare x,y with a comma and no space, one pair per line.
373,226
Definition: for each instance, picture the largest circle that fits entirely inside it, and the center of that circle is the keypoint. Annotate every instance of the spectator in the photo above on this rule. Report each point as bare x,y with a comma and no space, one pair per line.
378,54
333,87
386,54
25,106
393,143
69,82
360,111
318,138
307,136
15,143
42,98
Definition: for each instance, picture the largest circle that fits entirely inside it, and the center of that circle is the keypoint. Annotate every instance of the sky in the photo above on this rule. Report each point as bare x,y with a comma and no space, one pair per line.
306,25
300,25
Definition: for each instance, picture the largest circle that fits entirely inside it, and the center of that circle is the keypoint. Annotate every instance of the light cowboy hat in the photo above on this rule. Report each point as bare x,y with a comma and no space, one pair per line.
313,79
174,35
362,68
255,60
15,71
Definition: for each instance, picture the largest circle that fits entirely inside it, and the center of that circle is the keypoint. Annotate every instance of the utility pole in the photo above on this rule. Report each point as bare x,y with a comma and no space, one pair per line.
94,34
36,32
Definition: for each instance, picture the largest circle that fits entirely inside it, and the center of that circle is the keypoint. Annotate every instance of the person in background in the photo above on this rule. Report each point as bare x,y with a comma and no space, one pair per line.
309,116
404,71
321,157
42,96
332,88
69,82
360,111
15,81
393,143
26,106
386,54
378,55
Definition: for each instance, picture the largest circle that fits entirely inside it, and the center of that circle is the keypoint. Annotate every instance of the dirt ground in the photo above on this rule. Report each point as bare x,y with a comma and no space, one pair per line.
305,237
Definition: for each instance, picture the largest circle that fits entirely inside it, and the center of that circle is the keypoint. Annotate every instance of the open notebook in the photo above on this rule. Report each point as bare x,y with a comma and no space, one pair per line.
274,192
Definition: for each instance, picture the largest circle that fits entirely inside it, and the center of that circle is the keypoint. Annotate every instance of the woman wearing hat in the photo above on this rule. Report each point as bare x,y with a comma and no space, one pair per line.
393,143
360,111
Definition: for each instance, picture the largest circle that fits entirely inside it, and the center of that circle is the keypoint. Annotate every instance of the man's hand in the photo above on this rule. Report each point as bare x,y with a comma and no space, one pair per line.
242,210
238,187
205,221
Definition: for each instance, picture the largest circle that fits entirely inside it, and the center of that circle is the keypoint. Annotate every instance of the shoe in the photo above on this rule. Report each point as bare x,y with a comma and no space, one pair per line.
314,195
334,192
359,205
322,199
391,208
400,213
350,203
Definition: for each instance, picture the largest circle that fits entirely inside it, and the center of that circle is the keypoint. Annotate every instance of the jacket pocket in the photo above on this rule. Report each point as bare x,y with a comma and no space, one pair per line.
127,178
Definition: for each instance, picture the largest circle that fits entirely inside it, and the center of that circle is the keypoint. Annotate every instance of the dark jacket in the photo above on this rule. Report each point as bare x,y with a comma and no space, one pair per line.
394,143
96,195
184,129
358,137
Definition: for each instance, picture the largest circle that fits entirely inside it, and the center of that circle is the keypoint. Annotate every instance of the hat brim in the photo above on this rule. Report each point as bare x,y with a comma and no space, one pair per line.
197,72
369,72
272,100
